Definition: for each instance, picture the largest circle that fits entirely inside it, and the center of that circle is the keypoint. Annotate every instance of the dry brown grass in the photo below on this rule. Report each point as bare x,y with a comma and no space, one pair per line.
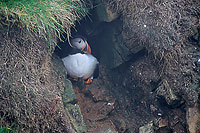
163,27
29,86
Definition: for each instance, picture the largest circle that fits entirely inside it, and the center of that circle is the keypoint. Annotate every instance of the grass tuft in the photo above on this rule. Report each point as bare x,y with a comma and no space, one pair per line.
6,129
40,16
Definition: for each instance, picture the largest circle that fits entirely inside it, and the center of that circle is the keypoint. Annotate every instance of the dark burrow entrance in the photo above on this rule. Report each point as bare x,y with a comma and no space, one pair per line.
123,98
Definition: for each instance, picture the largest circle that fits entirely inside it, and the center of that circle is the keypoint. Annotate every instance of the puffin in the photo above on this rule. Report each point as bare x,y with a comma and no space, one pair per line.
80,63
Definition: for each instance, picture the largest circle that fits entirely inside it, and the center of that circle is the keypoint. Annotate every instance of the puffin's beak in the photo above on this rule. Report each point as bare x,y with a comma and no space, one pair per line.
88,49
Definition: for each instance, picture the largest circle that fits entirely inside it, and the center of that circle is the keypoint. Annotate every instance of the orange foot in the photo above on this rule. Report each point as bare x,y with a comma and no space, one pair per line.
88,81
73,78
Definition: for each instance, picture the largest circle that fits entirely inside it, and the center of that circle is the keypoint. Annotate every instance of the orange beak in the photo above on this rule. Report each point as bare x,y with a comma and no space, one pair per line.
88,48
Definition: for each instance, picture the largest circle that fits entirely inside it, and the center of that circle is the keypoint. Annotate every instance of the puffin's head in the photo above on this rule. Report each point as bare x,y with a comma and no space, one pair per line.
80,42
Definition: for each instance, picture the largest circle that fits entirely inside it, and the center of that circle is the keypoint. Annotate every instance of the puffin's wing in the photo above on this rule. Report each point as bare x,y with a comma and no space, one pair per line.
90,66
96,72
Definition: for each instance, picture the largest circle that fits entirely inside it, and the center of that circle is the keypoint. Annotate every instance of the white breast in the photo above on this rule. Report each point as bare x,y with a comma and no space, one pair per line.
80,65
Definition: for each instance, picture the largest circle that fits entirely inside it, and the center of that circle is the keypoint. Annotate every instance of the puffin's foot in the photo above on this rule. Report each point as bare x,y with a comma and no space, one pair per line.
88,81
73,78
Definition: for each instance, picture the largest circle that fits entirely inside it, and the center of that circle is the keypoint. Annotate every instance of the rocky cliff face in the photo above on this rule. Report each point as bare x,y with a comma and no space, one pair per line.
148,80
149,66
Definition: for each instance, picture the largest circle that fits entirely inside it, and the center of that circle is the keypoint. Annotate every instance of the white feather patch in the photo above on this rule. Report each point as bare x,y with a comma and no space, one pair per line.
80,65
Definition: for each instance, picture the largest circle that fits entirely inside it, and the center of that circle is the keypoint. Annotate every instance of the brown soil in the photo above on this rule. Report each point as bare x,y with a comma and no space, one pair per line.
94,113
123,100
93,101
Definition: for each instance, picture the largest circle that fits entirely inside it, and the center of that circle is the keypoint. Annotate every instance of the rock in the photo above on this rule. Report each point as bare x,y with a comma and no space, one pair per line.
99,111
157,126
193,119
110,38
104,12
168,94
132,41
58,66
76,118
120,125
96,114
107,109
129,130
191,95
162,125
68,96
196,37
108,131
69,99
98,92
177,120
112,46
149,128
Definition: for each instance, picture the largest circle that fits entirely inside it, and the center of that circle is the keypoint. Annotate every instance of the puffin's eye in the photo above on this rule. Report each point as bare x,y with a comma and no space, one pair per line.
79,41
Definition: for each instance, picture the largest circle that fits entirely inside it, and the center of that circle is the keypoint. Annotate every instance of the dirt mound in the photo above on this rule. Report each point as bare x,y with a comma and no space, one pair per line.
163,27
29,87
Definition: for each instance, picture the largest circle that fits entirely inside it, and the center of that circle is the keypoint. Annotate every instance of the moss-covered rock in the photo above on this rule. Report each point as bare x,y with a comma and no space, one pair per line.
104,12
76,118
68,96
148,128
113,50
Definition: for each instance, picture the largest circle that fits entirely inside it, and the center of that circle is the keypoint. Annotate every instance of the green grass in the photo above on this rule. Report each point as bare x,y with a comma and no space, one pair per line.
41,16
6,129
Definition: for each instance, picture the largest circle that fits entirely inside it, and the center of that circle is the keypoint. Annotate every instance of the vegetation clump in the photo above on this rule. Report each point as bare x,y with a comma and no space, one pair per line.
40,16
5,128
30,87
